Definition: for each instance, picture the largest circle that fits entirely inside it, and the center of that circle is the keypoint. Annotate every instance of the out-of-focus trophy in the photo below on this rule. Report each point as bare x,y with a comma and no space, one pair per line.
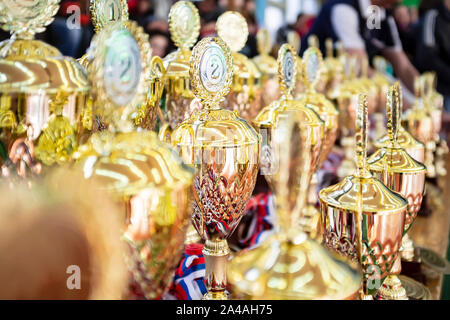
143,174
223,149
184,24
104,12
361,217
380,80
401,173
333,70
290,265
267,120
420,125
44,110
60,240
269,68
312,70
246,91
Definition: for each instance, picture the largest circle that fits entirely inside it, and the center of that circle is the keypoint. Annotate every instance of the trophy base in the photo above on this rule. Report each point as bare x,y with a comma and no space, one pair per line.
414,289
434,261
392,289
216,295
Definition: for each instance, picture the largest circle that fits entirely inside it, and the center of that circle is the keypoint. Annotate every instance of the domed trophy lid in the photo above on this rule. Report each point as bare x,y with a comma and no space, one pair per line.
290,265
376,198
392,157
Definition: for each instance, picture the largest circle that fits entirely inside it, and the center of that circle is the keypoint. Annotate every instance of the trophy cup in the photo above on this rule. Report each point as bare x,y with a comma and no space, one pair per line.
290,265
104,12
44,96
224,150
246,91
312,66
184,24
401,173
361,217
142,173
268,117
269,68
62,224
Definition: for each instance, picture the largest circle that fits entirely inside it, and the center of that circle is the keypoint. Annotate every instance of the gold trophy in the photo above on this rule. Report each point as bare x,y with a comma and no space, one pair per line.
381,81
223,149
62,224
333,70
184,24
44,97
269,68
246,91
143,174
401,173
104,12
361,217
312,67
289,265
420,125
268,117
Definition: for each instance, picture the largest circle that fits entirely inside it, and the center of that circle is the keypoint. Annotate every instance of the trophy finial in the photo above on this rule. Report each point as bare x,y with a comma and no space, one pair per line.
313,41
287,69
294,40
211,71
393,111
26,18
104,12
184,24
329,47
233,29
312,67
362,129
264,42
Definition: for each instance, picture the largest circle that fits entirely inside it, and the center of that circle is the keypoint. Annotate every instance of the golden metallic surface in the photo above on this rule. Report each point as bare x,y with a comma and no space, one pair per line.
269,68
401,173
104,12
246,89
268,118
184,24
23,19
62,222
149,180
415,148
45,110
361,217
294,40
289,265
224,149
333,71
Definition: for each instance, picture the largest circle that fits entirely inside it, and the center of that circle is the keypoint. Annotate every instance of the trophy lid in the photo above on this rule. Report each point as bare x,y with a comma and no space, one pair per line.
393,157
266,63
233,29
289,265
376,197
211,75
120,69
184,26
104,12
287,70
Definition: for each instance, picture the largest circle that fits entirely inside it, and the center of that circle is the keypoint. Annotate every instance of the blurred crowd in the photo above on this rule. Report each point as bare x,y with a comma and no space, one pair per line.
423,28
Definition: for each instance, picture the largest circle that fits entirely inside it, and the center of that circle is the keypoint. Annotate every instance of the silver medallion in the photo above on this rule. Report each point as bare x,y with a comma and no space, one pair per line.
213,69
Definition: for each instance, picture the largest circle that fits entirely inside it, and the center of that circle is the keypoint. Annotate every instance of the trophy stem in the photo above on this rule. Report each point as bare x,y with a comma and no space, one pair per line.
216,254
407,249
392,289
310,218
